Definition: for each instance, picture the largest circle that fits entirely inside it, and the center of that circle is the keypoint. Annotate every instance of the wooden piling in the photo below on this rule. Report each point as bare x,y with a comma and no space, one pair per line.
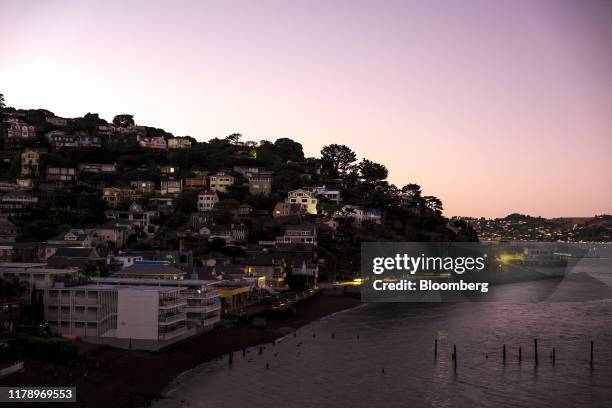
436,348
554,355
520,354
591,360
504,353
535,350
455,355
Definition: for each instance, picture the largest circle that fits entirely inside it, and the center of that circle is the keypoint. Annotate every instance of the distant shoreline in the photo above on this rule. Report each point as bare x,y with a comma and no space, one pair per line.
152,373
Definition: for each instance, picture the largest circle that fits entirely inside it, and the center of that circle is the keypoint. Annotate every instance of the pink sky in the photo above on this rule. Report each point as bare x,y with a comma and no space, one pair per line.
494,106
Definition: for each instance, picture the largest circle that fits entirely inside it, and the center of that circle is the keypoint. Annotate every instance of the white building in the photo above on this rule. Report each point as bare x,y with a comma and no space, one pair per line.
326,193
207,200
220,181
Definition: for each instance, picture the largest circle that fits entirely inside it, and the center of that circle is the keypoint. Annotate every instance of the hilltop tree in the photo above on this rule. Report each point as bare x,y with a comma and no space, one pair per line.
124,120
412,190
433,204
372,172
337,159
289,150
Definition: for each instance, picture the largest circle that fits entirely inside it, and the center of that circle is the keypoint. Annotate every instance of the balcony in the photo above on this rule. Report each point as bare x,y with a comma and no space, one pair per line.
171,303
173,318
203,308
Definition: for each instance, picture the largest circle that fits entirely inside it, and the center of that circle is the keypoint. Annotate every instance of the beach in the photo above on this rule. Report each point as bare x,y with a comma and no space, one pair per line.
149,373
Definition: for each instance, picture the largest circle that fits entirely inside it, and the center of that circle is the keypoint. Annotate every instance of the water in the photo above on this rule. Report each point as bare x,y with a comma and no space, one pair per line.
398,338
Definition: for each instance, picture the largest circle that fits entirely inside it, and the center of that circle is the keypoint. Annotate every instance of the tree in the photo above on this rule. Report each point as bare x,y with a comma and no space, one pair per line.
124,120
289,150
372,172
433,204
412,190
337,159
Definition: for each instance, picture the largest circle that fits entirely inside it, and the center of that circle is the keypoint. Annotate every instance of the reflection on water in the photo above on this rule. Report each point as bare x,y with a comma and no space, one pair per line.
383,354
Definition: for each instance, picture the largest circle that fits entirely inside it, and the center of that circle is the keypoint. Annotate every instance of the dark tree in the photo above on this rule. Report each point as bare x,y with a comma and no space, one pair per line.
337,159
372,172
289,150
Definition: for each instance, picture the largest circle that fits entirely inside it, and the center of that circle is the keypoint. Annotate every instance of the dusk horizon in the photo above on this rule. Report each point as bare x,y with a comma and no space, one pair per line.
494,107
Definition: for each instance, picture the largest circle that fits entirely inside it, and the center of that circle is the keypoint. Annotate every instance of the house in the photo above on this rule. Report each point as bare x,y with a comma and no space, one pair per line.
207,200
220,181
20,130
239,232
123,259
325,193
143,186
268,266
17,204
114,195
171,185
360,215
97,168
75,237
8,230
304,233
136,214
305,199
61,174
196,183
152,270
179,143
169,171
221,232
115,232
246,171
285,210
165,205
66,257
84,139
260,183
59,139
153,142
30,160
198,219
245,210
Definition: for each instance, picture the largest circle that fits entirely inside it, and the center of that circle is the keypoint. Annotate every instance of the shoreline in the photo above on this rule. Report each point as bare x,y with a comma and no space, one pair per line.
153,372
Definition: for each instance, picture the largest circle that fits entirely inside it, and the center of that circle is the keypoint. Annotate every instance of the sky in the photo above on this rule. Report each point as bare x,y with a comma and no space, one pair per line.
494,106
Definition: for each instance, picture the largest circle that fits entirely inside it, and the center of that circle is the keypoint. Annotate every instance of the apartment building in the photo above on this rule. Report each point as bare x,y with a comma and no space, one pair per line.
61,174
203,308
136,316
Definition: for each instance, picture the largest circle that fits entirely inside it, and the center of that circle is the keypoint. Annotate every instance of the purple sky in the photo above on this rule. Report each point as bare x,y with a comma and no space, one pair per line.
494,106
